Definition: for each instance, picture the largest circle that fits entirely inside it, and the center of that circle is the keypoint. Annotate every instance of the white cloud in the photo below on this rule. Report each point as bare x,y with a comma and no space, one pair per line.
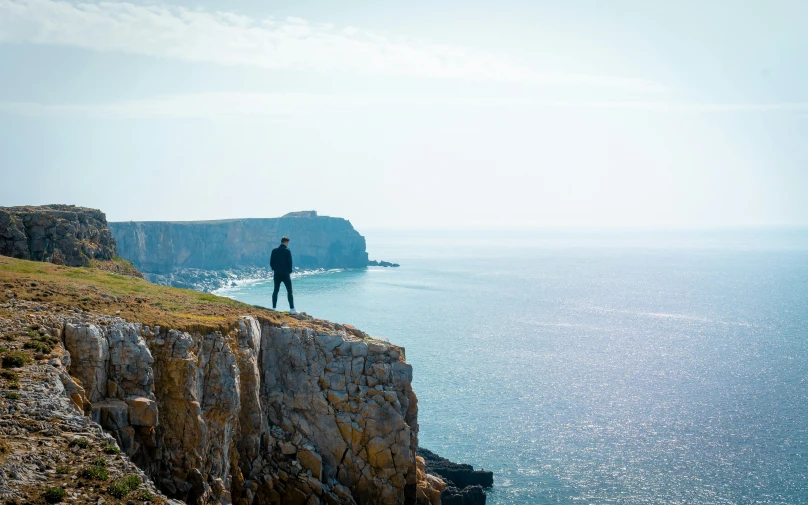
191,105
230,39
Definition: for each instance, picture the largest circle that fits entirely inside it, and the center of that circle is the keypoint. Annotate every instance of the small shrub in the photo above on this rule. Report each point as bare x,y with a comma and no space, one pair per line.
63,470
3,349
124,486
83,443
40,347
9,375
133,481
32,333
14,360
94,473
144,495
14,385
111,449
13,396
54,494
118,489
9,337
99,462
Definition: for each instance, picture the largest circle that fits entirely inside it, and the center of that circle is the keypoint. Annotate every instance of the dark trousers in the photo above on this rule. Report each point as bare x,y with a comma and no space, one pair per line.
286,279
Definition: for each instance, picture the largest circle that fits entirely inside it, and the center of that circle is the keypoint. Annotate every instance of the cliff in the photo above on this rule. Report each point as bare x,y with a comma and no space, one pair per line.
214,401
170,252
61,234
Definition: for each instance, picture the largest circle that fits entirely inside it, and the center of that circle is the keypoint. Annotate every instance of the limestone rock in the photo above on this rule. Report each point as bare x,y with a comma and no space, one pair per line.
142,411
88,343
256,414
62,234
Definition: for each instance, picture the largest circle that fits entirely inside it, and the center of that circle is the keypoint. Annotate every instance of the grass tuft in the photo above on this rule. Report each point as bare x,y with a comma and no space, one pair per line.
144,495
124,486
94,473
14,360
54,494
9,375
80,442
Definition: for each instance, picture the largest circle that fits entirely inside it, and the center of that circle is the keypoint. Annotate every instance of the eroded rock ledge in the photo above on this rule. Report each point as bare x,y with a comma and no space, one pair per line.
463,484
262,414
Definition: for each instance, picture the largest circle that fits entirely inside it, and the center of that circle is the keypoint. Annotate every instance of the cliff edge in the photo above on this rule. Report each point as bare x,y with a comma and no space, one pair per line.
215,401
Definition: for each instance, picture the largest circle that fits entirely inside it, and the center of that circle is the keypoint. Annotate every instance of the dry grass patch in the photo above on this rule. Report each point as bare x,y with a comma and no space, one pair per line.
136,299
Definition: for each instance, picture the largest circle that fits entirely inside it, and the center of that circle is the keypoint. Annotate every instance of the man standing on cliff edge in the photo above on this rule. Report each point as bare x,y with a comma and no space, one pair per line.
281,264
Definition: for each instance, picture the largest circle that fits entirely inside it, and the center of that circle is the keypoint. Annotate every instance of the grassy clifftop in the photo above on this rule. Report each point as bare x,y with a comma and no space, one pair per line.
137,300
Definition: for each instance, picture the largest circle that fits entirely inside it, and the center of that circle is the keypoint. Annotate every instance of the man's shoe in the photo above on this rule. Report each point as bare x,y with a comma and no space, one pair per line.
292,311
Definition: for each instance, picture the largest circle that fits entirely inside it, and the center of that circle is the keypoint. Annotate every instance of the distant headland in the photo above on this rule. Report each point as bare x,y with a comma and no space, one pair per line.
207,255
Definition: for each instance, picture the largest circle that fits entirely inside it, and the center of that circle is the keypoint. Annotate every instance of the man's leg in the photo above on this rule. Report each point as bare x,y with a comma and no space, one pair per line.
275,291
287,281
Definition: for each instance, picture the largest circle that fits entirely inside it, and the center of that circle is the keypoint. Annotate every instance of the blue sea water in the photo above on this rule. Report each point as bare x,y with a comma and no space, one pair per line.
596,367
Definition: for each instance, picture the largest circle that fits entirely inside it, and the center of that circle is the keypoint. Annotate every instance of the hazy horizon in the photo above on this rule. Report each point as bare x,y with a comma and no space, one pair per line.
419,116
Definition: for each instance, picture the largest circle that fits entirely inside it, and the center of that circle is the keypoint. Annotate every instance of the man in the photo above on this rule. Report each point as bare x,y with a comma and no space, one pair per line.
281,264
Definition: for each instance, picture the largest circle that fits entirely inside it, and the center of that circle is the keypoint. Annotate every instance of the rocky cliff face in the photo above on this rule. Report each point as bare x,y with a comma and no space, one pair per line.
264,414
61,234
161,248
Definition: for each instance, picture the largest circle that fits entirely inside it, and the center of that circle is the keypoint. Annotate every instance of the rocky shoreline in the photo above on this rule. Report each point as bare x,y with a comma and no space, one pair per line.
210,281
464,484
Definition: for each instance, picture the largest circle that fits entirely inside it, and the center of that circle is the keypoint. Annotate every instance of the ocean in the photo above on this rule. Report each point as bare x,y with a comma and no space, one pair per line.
586,367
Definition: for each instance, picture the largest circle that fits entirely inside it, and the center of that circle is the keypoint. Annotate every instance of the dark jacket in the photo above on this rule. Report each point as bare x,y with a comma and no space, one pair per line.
281,260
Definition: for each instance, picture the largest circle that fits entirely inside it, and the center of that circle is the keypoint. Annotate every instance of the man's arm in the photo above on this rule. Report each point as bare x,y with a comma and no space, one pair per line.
272,260
291,269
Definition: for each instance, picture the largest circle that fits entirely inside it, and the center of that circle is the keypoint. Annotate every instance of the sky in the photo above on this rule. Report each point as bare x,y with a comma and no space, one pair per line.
417,114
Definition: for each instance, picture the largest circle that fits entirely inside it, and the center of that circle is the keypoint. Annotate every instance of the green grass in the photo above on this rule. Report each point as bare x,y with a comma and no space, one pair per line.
144,495
54,494
124,486
9,375
14,360
94,473
12,396
63,470
81,442
39,347
111,449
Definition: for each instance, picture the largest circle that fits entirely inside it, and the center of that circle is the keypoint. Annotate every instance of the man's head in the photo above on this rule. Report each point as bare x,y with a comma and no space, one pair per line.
285,241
